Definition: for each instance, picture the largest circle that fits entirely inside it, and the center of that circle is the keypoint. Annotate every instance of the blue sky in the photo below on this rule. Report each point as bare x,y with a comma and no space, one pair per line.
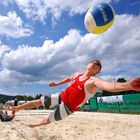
45,40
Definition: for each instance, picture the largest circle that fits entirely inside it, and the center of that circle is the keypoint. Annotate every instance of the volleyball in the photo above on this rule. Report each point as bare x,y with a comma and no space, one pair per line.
99,18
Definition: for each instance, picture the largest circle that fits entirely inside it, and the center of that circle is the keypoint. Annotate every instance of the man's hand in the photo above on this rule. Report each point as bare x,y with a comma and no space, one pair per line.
52,84
135,84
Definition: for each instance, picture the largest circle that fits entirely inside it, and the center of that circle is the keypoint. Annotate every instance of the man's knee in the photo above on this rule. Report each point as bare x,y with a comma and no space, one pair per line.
39,102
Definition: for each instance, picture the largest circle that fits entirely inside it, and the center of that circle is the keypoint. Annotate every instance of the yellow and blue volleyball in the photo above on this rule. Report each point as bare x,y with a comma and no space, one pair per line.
99,18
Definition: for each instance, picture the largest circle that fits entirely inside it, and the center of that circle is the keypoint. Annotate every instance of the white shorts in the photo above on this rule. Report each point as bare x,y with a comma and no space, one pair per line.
61,111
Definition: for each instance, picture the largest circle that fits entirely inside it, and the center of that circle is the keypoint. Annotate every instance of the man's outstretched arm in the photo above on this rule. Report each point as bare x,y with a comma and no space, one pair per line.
64,81
117,86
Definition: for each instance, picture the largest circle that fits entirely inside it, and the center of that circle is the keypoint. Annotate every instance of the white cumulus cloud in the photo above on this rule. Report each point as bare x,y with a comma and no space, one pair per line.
3,49
118,49
40,9
13,26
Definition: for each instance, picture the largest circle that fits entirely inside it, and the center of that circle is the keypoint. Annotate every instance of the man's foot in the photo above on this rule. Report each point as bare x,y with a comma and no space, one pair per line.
11,108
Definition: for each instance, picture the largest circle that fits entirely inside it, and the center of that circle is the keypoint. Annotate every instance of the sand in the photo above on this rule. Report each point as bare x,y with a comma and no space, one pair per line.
78,126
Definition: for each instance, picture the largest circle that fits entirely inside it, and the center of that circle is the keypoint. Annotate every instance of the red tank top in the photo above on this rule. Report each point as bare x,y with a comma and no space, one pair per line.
74,94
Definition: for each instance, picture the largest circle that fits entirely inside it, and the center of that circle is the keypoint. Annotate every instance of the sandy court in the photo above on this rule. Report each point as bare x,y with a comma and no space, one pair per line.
79,126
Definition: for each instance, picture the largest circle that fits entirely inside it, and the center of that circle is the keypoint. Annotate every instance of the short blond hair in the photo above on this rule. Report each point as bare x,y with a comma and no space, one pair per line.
97,62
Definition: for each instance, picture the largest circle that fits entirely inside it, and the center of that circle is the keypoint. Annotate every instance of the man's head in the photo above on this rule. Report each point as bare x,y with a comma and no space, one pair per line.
94,67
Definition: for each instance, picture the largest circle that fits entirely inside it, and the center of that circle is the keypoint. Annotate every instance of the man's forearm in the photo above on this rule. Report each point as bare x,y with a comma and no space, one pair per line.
119,86
111,86
66,80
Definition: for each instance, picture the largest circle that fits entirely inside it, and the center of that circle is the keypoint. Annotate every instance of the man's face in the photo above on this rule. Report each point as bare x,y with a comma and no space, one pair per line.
93,68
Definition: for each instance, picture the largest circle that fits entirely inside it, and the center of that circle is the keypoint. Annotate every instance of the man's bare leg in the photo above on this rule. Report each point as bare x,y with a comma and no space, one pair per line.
30,104
43,122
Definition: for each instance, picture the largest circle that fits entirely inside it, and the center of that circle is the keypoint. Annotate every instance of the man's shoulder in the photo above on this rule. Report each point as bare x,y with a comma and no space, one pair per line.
77,73
93,79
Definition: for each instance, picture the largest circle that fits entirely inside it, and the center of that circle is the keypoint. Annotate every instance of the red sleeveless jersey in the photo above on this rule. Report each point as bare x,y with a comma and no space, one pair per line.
74,94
